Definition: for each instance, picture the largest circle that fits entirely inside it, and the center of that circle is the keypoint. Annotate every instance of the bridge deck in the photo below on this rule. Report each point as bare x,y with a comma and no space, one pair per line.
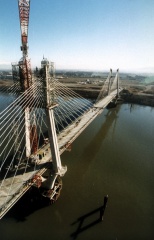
12,188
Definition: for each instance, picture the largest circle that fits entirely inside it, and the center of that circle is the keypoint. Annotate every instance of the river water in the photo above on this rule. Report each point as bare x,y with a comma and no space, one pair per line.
114,156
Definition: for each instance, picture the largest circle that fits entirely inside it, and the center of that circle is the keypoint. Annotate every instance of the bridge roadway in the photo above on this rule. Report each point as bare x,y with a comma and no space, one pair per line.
17,185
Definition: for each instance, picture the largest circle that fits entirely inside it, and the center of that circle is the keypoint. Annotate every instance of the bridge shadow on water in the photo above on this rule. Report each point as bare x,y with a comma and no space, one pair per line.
89,220
96,141
95,216
31,202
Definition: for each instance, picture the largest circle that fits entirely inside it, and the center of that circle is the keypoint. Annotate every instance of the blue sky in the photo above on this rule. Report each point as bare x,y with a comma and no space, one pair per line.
82,34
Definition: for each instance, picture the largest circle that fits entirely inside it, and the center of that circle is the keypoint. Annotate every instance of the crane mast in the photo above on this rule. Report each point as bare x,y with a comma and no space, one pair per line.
24,7
24,63
25,76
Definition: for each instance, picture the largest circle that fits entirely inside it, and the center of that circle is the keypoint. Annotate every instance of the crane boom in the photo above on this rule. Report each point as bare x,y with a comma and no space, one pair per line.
25,74
24,8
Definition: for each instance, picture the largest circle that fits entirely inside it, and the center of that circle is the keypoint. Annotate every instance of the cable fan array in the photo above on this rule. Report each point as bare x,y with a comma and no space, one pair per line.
70,106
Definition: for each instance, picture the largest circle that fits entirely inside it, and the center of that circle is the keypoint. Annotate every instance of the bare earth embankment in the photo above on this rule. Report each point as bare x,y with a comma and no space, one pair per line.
135,90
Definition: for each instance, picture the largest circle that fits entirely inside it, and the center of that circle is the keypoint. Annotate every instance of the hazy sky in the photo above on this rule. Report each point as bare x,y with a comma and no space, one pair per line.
82,34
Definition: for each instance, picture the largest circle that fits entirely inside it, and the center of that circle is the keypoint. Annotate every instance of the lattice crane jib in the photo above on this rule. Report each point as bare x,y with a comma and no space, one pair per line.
25,77
24,7
24,64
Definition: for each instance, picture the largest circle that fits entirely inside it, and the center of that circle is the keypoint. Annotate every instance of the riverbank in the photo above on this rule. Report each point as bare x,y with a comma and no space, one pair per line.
126,95
138,98
134,92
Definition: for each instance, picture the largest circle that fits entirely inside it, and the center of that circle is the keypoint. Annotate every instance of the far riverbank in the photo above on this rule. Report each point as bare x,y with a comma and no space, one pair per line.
127,96
133,92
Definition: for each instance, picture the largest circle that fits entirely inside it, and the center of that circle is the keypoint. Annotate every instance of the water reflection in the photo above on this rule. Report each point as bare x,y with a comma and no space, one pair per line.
96,142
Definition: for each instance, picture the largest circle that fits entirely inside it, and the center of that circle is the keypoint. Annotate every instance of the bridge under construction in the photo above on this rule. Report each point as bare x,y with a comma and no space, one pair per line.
41,122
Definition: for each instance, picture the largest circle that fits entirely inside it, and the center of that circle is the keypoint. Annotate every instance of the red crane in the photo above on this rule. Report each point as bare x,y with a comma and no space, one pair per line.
24,63
25,76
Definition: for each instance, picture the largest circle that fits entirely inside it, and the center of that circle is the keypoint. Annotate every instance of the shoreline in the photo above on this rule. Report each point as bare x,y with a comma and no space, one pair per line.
127,95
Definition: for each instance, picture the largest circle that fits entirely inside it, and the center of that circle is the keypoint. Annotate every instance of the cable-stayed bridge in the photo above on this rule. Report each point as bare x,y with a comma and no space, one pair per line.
41,122
22,166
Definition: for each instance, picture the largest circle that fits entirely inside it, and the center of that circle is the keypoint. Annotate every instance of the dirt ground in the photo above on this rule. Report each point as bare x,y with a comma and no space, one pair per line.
95,84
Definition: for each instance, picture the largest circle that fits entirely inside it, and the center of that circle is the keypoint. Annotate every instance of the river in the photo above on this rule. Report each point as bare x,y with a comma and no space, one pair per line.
114,156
